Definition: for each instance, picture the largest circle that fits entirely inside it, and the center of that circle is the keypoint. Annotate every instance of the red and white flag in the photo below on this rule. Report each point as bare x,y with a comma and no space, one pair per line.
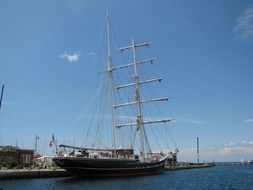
52,142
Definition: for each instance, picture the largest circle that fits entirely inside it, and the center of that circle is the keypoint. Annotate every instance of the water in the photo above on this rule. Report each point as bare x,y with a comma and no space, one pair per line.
217,178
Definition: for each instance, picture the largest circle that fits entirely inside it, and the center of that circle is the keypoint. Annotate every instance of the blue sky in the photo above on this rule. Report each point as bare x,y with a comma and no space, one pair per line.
49,60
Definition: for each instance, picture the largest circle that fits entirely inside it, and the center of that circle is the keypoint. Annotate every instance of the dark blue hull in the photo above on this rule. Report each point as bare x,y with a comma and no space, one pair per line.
94,167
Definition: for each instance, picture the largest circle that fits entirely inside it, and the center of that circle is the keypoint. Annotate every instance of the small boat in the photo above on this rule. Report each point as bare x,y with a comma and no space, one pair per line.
117,161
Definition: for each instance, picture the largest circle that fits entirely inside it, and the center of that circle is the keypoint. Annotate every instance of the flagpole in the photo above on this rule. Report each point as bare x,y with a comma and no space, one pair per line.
56,147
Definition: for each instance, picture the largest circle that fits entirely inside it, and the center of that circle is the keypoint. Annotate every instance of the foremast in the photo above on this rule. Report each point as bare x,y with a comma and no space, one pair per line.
139,119
137,99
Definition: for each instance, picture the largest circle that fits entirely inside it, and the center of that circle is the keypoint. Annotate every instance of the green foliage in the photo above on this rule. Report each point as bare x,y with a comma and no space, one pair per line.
12,164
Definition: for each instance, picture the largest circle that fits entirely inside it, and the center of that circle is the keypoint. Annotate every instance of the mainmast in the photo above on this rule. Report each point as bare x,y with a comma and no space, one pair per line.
110,81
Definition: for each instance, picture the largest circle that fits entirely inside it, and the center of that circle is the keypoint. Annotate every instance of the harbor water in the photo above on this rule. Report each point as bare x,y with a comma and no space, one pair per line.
219,177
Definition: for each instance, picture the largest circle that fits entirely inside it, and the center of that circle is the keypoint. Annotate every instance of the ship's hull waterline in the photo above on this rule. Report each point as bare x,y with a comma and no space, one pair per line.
94,167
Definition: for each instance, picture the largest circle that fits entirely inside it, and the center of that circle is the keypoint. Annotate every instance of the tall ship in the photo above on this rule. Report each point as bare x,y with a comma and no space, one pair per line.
114,161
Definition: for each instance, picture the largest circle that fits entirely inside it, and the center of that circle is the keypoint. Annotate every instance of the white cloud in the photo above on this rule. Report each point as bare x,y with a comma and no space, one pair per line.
190,121
7,122
229,144
244,147
250,120
244,25
228,152
71,57
244,142
91,53
11,103
196,122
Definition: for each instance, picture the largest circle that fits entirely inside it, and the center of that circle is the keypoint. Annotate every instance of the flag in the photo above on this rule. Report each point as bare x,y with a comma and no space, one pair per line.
52,142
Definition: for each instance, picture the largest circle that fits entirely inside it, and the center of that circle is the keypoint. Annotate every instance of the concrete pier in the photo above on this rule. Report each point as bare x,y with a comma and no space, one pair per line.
49,173
184,166
33,173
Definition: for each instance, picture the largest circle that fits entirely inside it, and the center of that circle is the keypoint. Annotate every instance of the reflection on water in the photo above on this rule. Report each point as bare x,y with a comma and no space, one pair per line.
223,177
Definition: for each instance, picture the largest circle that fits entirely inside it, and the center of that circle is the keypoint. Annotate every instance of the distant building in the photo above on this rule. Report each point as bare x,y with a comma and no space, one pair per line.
14,154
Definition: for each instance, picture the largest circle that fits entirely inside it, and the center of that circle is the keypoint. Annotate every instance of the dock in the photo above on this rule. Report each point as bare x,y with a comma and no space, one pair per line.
185,166
51,173
33,173
234,163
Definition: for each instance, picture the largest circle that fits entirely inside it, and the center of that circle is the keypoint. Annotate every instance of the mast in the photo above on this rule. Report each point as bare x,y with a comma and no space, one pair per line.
139,120
110,82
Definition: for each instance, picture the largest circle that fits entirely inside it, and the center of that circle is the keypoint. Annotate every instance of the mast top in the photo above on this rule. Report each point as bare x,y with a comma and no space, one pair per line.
108,34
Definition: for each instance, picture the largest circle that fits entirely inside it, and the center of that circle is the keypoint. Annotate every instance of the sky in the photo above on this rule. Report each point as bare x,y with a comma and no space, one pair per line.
50,59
